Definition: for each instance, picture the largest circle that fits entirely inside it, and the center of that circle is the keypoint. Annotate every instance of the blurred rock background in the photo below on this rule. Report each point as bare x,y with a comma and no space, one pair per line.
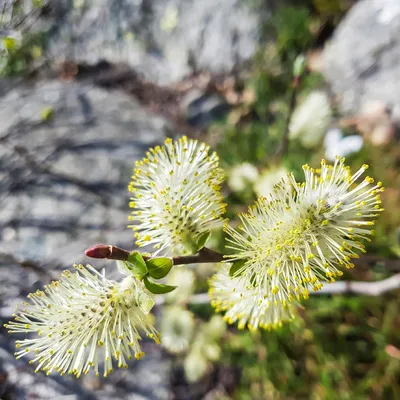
87,86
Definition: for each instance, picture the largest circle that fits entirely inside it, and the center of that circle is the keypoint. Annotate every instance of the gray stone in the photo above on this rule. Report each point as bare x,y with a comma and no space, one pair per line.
63,181
362,61
200,109
163,40
63,189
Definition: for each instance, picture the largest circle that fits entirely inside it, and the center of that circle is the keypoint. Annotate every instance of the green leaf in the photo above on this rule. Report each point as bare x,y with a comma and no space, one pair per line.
236,266
159,267
128,268
144,300
136,265
189,244
124,267
157,288
202,240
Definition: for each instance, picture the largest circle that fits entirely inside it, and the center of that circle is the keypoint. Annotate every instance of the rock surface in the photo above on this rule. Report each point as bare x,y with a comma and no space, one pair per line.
66,155
163,40
362,61
63,181
201,109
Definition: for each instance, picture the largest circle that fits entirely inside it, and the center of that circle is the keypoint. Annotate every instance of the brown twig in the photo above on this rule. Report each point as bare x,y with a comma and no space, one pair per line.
206,255
111,252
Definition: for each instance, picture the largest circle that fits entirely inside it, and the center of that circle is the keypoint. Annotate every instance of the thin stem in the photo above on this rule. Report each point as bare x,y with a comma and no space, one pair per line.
111,252
283,148
205,255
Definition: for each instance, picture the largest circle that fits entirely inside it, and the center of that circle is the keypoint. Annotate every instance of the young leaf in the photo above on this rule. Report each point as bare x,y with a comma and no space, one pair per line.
157,288
236,266
159,267
202,240
144,300
136,265
124,267
128,268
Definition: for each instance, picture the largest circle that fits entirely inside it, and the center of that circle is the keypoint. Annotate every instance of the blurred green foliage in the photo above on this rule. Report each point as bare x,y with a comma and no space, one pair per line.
335,351
292,28
332,8
20,56
22,43
337,347
254,130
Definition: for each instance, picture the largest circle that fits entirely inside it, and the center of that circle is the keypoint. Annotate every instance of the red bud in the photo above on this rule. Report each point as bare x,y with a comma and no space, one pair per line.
99,251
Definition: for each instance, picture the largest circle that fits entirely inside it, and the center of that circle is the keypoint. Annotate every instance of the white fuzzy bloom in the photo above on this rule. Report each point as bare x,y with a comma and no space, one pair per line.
296,240
311,119
246,304
267,180
177,328
335,144
184,280
242,176
82,321
177,196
